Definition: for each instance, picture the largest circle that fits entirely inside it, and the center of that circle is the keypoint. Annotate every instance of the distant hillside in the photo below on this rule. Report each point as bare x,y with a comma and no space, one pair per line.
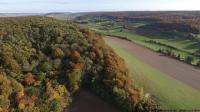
63,15
191,18
44,62
58,15
147,14
18,14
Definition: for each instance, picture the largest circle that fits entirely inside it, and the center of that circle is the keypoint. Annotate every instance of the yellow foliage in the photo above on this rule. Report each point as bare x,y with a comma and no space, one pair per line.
58,93
3,110
14,66
20,94
51,92
33,50
21,106
61,89
58,53
37,83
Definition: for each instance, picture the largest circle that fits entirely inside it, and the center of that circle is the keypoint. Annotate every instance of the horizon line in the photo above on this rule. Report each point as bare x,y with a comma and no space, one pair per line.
100,11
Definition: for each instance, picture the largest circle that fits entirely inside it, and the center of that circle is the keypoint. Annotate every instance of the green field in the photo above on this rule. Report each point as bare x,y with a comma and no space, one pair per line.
184,48
167,91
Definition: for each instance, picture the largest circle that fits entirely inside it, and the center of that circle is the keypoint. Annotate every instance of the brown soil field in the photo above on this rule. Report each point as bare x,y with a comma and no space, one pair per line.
87,102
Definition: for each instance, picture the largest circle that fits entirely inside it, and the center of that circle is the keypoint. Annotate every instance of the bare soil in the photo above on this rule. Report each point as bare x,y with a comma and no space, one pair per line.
186,73
87,102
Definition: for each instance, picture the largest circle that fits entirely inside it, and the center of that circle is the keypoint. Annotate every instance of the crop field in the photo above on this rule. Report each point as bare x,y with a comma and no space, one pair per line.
169,92
183,48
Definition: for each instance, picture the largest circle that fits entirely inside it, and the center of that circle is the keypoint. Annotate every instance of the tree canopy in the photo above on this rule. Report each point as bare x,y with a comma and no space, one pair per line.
44,62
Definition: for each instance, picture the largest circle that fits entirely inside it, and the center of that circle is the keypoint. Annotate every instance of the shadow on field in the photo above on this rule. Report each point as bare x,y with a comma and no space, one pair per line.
87,102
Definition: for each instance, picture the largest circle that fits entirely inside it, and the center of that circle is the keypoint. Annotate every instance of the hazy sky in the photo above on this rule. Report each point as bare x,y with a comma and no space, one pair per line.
9,6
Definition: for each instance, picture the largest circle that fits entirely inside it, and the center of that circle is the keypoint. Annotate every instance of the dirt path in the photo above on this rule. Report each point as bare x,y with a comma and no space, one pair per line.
87,102
174,68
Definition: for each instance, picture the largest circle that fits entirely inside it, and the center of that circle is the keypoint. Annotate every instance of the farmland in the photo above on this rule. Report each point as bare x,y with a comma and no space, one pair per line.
178,47
168,91
165,58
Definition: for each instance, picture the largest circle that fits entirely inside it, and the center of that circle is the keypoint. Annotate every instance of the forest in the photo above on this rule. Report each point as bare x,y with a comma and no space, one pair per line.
45,62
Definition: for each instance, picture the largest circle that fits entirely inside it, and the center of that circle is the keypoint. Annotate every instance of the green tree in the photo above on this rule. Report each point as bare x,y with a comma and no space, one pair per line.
189,59
74,80
198,63
46,66
56,106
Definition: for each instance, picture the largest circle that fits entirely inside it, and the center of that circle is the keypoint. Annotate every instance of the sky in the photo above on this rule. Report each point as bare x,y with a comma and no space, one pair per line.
44,6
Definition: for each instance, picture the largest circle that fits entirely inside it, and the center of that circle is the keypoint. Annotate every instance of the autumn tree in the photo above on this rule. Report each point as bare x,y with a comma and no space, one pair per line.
75,56
44,62
29,79
58,53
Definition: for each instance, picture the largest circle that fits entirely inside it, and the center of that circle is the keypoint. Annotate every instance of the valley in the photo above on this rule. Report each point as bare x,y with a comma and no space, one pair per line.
125,61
